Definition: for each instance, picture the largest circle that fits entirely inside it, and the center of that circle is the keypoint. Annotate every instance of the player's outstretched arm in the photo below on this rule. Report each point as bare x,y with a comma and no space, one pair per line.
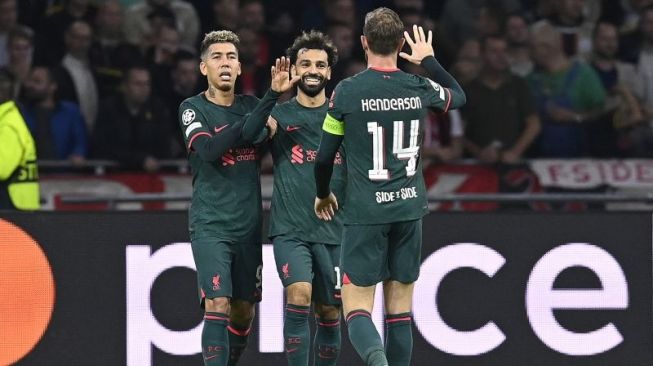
422,53
211,148
256,120
325,202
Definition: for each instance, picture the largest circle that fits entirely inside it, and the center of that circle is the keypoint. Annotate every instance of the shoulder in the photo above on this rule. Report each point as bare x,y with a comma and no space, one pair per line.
249,101
195,102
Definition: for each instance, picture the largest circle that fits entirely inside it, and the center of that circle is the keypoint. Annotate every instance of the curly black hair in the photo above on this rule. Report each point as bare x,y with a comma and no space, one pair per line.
313,40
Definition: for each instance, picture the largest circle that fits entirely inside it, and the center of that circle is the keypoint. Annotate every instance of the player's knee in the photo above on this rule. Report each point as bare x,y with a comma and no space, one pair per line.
328,312
217,305
299,294
242,312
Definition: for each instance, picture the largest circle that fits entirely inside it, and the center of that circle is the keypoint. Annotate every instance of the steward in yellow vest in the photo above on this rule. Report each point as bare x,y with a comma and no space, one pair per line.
19,187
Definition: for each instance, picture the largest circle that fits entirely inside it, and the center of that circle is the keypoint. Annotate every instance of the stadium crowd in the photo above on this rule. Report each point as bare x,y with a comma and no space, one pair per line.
103,79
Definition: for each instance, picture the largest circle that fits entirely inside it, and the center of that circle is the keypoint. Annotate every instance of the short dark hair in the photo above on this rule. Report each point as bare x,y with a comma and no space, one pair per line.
384,31
220,36
313,40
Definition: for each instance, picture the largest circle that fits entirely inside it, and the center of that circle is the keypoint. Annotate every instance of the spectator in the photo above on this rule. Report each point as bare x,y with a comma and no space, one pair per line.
252,17
343,38
184,78
254,78
20,47
110,53
625,14
224,15
138,28
8,17
500,118
516,32
568,94
50,42
19,188
443,137
161,57
460,17
75,75
341,11
575,29
57,126
185,84
133,127
468,63
643,137
618,78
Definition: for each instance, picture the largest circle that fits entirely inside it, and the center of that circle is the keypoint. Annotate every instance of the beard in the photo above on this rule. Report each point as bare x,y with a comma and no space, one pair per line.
312,90
224,87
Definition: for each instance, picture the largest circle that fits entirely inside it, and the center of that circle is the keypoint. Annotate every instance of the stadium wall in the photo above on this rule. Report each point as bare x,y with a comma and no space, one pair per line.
118,288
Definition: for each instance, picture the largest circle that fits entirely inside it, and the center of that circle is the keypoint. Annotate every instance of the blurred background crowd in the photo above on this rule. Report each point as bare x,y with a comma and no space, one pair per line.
102,79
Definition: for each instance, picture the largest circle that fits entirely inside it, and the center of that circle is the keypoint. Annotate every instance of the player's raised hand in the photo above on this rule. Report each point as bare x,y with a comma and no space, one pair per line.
281,76
325,208
420,47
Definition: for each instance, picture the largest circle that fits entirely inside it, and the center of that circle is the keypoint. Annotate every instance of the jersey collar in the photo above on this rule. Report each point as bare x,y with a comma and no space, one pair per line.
384,69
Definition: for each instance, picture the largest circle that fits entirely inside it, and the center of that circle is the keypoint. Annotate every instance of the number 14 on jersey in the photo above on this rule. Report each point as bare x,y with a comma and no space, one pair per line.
410,153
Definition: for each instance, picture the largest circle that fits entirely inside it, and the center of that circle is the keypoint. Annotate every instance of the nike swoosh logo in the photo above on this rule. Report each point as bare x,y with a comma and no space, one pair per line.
210,357
291,350
218,129
292,128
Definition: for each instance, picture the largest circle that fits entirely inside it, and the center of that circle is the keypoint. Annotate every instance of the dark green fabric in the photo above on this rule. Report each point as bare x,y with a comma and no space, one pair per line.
294,148
398,339
238,335
383,113
226,193
215,339
326,345
365,339
296,332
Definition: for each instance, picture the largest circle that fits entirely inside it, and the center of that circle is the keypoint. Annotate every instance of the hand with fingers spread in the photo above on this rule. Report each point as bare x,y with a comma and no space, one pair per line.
325,208
282,80
420,48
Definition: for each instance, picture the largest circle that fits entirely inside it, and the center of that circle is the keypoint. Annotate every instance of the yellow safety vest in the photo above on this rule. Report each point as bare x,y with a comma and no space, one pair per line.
18,170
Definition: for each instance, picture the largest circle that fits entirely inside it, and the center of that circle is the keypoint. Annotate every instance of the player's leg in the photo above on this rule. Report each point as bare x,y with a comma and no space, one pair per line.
327,303
363,261
240,323
213,262
404,251
294,265
247,281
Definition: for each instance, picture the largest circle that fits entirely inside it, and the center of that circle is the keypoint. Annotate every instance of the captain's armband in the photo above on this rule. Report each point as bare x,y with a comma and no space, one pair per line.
333,126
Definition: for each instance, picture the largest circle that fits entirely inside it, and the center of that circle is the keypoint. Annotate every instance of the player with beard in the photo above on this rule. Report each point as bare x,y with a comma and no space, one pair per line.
306,249
221,131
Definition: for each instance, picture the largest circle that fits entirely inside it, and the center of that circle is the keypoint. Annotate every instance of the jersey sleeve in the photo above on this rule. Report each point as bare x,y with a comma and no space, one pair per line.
10,151
433,94
192,123
334,121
